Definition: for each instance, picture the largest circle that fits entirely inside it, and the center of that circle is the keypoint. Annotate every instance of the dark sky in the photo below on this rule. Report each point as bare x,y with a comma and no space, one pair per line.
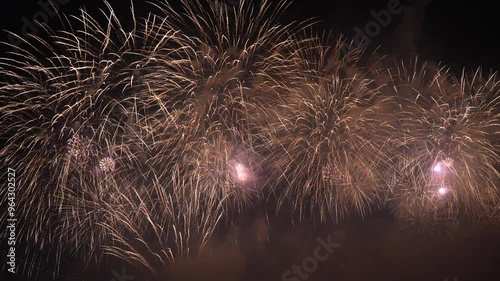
455,32
459,33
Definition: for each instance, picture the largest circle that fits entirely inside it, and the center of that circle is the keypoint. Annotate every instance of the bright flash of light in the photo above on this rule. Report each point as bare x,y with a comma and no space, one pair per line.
438,168
443,190
241,173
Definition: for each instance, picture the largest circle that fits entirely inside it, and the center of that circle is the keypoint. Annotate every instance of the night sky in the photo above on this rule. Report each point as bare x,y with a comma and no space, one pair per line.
455,33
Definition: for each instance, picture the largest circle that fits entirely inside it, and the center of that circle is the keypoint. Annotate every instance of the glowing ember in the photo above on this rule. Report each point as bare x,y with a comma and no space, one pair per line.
242,173
438,168
443,190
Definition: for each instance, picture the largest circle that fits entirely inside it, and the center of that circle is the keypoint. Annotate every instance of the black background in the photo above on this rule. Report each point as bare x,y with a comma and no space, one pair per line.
456,33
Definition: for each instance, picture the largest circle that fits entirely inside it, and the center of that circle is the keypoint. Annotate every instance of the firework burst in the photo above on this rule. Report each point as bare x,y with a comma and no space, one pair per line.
444,144
139,143
209,98
324,148
144,132
64,111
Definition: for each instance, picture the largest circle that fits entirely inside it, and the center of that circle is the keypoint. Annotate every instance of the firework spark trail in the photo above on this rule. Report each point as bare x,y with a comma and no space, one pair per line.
444,144
113,115
140,143
64,113
325,148
206,88
211,92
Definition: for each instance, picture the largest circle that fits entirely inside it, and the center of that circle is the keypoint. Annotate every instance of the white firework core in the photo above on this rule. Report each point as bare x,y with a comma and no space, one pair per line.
438,168
241,173
443,190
